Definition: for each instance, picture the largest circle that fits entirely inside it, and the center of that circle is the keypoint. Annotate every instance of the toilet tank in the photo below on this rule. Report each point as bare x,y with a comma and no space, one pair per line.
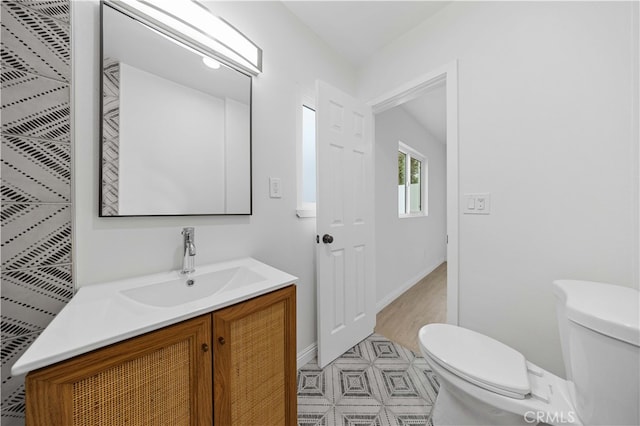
599,328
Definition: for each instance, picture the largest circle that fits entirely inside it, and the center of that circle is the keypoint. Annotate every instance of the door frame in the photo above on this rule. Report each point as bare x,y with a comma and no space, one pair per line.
411,90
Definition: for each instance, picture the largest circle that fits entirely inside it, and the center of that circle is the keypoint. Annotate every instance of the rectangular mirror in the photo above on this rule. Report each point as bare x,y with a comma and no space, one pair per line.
176,126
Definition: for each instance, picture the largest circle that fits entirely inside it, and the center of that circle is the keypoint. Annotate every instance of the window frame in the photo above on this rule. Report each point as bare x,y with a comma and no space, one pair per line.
410,153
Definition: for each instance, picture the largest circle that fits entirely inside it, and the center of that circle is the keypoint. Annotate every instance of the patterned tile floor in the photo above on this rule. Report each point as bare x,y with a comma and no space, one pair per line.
375,383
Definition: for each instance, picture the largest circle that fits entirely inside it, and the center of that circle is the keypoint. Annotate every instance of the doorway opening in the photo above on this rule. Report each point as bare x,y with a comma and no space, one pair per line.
423,303
417,254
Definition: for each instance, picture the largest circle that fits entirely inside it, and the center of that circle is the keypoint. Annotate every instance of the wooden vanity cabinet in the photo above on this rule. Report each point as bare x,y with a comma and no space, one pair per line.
160,378
254,364
243,374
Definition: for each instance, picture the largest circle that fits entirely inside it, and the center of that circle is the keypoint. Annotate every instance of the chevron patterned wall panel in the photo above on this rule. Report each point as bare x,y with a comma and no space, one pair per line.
110,136
36,165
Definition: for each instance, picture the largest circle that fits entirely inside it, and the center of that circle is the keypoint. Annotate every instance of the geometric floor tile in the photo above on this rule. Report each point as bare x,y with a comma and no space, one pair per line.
384,349
397,383
375,383
354,382
362,416
306,419
311,383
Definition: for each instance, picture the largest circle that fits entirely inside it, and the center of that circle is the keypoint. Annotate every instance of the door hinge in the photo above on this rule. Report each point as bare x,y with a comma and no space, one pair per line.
317,239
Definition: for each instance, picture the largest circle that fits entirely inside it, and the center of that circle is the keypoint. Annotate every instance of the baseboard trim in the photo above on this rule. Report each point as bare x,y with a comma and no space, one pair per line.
307,354
407,285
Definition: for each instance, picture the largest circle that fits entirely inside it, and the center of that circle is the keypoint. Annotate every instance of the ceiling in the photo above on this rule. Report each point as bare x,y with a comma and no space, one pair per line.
430,110
358,29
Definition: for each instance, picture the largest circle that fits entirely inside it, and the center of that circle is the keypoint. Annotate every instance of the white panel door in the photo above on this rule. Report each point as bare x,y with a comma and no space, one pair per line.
345,256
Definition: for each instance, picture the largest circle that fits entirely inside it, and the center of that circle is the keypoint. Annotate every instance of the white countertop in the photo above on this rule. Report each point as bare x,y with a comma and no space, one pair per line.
99,315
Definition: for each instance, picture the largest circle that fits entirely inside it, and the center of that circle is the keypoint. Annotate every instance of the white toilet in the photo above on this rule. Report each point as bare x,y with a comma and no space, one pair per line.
484,382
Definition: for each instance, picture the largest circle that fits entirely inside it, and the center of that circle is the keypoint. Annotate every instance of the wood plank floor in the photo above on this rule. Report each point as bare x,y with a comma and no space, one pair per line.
424,303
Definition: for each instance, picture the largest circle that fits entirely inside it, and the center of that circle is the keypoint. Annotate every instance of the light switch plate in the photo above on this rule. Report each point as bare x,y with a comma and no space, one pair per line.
477,203
275,187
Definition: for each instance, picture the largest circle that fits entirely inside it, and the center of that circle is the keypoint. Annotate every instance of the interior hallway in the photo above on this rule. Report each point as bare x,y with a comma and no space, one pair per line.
424,303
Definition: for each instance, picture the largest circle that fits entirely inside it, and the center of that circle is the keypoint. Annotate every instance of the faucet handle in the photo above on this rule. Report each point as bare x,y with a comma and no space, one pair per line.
189,245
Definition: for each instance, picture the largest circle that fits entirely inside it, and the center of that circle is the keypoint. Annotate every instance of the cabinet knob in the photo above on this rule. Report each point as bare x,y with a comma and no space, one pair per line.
221,340
205,347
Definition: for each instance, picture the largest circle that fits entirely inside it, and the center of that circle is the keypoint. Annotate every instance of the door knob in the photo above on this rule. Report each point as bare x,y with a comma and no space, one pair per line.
327,239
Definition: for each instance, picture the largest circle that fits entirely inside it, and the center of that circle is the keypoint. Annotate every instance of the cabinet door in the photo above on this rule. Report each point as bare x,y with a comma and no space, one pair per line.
255,361
160,378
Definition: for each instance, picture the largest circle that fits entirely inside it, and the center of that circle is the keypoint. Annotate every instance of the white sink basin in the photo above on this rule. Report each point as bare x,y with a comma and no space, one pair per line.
193,287
110,312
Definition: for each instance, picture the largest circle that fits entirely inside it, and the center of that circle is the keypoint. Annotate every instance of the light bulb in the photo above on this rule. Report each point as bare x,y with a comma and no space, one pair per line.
210,62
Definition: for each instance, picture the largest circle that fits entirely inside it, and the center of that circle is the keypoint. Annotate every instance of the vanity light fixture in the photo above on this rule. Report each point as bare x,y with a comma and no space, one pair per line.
197,27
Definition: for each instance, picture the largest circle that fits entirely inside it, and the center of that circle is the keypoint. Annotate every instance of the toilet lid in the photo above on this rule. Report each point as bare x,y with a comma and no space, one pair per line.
477,358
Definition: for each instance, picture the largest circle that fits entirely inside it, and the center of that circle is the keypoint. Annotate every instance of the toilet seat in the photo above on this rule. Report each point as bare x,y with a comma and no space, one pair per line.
477,358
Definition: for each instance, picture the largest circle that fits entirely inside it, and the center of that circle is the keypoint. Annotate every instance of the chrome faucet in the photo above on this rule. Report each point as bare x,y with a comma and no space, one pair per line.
188,262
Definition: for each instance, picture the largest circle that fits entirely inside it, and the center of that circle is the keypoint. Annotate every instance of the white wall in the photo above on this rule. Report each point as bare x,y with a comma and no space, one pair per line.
164,137
111,248
406,249
545,125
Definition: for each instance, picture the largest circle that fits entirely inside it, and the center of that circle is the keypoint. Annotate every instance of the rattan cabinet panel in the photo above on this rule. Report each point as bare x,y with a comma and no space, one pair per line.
160,378
255,361
172,376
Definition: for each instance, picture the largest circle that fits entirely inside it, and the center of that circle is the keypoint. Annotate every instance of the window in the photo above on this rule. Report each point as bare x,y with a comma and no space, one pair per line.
308,155
412,182
307,162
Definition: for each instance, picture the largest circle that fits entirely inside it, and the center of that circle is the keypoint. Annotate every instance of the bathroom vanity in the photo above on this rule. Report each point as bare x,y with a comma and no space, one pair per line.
226,358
